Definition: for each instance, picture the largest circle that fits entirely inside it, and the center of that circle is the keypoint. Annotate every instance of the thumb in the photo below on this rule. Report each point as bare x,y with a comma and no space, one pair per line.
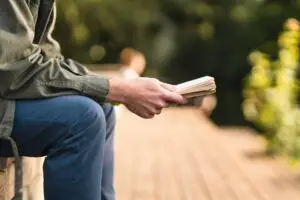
168,87
173,97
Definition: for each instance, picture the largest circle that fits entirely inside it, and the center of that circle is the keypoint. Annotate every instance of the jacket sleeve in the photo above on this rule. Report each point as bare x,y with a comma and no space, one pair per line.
30,71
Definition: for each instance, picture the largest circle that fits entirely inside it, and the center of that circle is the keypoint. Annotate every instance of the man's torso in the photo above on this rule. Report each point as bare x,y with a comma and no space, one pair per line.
35,15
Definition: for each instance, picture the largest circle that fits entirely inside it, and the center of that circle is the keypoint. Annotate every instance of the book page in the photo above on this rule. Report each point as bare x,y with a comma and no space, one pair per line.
196,84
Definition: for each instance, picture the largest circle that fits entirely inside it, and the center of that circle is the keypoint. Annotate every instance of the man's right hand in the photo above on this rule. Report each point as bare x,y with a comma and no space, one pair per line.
145,97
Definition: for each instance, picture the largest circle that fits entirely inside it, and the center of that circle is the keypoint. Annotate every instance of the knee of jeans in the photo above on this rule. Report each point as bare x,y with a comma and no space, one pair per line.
80,123
86,112
89,109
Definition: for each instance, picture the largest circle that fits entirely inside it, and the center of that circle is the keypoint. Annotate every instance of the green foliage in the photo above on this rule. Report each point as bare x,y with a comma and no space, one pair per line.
272,92
182,39
87,28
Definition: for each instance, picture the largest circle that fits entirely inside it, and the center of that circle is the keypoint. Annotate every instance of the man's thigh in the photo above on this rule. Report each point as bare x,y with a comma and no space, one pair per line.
39,124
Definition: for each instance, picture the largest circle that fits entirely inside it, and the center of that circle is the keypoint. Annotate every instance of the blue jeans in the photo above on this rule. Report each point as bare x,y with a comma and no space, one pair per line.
76,135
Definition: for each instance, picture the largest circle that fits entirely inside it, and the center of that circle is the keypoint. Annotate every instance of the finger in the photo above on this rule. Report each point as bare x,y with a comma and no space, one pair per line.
145,115
149,115
169,87
161,104
139,111
148,111
158,111
173,97
154,110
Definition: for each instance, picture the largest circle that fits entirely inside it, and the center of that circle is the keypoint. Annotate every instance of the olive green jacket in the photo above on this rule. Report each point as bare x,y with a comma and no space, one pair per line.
31,66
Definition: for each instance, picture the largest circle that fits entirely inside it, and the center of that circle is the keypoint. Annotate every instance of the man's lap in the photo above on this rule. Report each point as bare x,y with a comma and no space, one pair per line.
39,123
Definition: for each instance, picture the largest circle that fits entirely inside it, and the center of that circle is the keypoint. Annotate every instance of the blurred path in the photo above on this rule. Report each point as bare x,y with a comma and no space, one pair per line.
180,155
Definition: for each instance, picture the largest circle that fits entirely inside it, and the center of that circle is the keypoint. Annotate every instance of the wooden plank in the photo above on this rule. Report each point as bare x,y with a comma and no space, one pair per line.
180,155
200,160
266,174
259,175
125,160
144,168
233,178
192,186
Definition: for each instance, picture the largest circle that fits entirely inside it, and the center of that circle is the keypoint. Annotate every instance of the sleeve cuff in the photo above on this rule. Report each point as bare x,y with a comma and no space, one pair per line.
96,86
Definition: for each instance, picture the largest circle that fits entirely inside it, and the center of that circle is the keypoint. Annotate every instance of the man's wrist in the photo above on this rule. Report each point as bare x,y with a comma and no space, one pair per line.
117,91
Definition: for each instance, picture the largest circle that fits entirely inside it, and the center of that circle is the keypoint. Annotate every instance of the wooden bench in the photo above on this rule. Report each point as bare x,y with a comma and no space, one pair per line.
6,181
3,172
32,179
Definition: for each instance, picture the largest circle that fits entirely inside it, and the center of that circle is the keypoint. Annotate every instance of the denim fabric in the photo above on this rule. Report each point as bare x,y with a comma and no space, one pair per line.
76,135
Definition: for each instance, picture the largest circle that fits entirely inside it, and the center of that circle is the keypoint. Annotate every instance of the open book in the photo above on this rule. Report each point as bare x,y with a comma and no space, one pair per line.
199,87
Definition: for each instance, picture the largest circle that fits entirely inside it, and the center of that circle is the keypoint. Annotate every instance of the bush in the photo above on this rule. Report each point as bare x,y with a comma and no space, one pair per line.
271,93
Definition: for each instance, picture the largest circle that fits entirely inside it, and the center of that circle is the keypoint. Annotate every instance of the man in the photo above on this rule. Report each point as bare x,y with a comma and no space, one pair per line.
52,106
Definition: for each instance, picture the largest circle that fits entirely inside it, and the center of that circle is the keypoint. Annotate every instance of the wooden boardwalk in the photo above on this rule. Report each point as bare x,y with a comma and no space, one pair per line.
180,155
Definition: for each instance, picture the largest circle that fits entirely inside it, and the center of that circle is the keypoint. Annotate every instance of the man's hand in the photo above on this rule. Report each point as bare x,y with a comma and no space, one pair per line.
145,97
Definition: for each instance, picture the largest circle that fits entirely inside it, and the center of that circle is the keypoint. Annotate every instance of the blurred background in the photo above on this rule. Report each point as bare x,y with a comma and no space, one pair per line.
251,47
242,143
181,39
186,39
